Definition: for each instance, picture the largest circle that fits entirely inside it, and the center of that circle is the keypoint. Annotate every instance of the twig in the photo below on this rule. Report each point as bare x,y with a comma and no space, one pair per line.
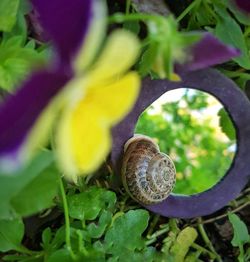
187,10
243,193
36,41
207,240
211,220
203,250
158,233
153,224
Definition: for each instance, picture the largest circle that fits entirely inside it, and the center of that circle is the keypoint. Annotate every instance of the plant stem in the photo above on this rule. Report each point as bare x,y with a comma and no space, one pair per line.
128,3
225,215
81,246
247,32
241,255
173,226
24,250
115,216
207,240
121,18
187,10
151,241
158,233
209,10
123,203
153,224
203,250
67,223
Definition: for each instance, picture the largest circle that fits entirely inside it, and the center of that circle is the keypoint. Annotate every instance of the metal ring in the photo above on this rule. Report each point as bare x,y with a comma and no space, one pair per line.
238,107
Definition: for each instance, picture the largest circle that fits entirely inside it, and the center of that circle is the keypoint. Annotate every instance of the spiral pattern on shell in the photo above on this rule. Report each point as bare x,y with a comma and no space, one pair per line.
147,174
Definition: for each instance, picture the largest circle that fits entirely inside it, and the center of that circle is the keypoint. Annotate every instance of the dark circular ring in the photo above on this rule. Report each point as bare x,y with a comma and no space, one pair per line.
238,107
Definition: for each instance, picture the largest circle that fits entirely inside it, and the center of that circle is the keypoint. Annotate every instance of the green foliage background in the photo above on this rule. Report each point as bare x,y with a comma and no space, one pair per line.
201,156
88,221
19,53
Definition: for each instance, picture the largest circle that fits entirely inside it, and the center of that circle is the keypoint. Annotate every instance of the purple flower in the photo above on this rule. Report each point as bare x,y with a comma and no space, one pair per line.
207,52
244,5
204,52
85,98
67,24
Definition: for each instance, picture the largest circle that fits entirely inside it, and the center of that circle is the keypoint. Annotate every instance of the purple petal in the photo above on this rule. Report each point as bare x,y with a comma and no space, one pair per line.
238,107
66,23
243,5
20,111
207,52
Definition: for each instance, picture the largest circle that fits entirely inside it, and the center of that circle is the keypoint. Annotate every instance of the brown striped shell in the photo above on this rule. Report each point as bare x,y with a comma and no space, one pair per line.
147,174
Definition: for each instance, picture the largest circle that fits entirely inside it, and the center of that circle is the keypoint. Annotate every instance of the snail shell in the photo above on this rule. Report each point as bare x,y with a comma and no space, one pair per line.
147,174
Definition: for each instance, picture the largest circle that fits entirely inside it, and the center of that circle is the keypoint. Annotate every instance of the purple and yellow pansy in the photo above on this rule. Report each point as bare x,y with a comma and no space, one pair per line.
86,90
79,95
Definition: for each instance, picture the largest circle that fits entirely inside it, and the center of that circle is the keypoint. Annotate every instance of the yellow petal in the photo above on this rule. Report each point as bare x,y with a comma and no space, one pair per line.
175,77
115,100
63,148
83,141
83,134
118,56
95,36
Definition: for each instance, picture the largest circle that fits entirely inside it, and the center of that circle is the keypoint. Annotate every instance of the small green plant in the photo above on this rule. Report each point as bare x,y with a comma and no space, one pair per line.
19,53
241,236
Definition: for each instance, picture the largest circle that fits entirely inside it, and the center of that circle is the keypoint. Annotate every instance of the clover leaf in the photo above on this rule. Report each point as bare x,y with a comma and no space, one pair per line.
125,235
87,205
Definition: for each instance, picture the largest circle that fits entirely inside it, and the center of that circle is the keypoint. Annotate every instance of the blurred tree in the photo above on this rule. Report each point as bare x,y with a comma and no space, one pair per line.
201,152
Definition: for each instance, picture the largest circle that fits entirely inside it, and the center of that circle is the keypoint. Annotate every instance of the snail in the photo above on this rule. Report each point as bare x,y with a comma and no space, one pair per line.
148,175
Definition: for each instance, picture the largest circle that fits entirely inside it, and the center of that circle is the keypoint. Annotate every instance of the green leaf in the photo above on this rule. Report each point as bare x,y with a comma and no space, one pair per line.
8,12
11,233
148,59
61,255
183,243
12,185
147,254
58,239
46,238
203,16
229,32
92,255
239,15
87,205
241,235
226,124
23,258
193,257
14,257
126,233
96,230
38,194
25,7
132,26
20,27
242,80
17,60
